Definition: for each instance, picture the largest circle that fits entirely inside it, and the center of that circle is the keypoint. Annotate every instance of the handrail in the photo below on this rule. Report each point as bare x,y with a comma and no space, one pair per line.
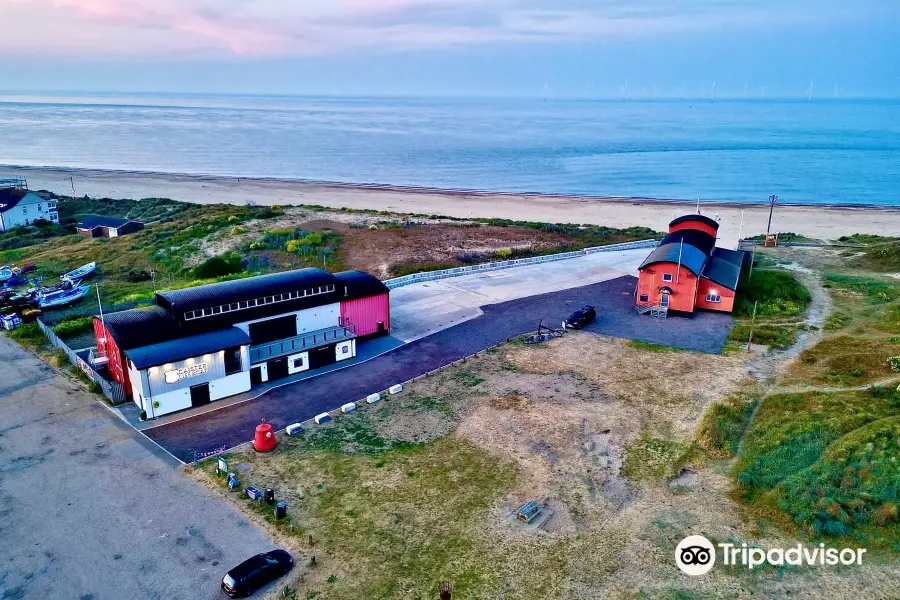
509,264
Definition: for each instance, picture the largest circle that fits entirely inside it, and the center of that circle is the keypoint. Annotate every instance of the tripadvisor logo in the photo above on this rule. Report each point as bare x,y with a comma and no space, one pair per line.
696,555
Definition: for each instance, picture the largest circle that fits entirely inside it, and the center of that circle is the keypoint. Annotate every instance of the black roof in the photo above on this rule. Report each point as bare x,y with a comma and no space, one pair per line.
359,284
93,221
10,197
140,326
225,292
722,269
187,347
693,259
711,222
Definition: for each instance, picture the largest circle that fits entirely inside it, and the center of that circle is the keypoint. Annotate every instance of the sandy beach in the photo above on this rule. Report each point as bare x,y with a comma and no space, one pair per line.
818,221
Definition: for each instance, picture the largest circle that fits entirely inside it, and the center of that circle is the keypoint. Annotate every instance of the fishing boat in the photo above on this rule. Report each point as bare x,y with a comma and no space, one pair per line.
16,279
6,272
80,273
61,298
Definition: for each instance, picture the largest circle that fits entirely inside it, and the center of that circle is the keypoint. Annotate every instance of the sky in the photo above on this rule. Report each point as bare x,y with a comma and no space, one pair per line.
564,48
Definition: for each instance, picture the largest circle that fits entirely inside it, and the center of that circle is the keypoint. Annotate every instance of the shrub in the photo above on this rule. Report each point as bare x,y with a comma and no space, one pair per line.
237,230
894,361
74,325
503,253
218,266
233,219
373,227
94,388
778,293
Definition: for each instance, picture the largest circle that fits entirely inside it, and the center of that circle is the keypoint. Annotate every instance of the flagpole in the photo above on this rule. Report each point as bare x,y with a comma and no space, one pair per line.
678,272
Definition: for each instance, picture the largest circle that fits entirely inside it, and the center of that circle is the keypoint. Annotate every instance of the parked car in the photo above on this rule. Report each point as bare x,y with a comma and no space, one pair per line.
256,572
581,317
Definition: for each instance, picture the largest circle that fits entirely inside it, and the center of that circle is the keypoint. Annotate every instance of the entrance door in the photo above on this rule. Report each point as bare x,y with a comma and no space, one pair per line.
256,375
321,357
381,327
278,368
199,395
664,301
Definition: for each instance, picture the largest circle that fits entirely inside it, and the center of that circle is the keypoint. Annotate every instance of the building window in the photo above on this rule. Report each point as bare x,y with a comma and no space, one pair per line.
713,298
645,298
232,360
298,363
667,277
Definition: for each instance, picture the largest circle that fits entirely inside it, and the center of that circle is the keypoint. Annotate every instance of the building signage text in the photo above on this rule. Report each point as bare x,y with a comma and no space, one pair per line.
176,375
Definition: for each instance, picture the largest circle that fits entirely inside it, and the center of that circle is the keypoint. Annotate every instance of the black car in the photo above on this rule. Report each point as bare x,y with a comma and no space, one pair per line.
581,317
256,572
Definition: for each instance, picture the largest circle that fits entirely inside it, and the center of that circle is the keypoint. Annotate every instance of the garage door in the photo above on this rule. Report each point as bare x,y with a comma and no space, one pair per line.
273,329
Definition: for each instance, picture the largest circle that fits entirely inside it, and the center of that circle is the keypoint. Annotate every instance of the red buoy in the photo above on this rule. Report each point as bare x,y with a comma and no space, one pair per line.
264,440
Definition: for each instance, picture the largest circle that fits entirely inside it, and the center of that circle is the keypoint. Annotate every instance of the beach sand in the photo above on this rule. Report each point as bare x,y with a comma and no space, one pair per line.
817,221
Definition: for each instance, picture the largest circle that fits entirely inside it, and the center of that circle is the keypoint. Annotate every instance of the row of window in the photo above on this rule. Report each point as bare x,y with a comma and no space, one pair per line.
266,300
709,297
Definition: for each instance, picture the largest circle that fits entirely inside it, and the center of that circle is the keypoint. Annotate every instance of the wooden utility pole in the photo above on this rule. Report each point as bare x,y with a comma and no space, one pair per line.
772,200
752,325
752,260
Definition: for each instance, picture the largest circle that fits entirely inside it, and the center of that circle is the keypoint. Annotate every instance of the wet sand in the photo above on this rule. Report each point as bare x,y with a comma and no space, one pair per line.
817,221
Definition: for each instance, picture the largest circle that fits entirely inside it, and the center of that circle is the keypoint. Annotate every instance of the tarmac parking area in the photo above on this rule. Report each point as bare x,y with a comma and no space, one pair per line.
92,510
234,425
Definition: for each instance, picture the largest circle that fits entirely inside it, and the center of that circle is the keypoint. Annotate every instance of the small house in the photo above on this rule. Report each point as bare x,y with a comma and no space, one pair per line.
21,208
687,271
110,227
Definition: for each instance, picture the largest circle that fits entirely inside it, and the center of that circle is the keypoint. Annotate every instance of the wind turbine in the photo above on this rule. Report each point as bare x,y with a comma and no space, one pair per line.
835,91
810,90
682,92
745,90
624,90
546,87
655,91
712,91
762,90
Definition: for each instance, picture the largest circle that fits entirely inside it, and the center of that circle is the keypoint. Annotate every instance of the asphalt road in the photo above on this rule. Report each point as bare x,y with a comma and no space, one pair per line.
92,510
235,424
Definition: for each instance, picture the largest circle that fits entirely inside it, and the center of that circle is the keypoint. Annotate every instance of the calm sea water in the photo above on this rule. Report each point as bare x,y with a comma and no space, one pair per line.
827,151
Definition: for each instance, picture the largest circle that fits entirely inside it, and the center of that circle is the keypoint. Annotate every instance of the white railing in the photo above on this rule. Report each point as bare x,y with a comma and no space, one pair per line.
509,264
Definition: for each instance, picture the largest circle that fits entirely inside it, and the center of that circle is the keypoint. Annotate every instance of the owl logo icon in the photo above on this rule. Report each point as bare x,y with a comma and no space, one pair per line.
695,555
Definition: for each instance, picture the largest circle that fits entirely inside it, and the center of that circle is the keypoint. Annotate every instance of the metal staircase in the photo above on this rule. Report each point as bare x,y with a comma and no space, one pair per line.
660,312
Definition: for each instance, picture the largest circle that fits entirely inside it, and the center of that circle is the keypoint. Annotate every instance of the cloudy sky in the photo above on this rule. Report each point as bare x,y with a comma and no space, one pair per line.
466,47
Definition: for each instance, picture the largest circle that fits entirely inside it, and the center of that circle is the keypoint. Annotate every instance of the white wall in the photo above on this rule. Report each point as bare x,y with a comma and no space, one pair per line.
26,212
345,350
171,402
229,386
304,356
310,319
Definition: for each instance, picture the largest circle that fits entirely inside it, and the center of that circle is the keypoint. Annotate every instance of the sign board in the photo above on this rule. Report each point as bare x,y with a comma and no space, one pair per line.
86,369
176,375
222,465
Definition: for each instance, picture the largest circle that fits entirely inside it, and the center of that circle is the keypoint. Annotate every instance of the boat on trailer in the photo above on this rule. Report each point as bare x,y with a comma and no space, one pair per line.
79,273
61,298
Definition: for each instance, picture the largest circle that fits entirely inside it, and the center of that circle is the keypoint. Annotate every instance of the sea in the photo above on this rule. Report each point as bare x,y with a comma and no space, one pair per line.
827,151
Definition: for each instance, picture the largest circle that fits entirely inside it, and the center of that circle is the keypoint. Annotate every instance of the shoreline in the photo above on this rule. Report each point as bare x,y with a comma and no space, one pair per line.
737,219
211,177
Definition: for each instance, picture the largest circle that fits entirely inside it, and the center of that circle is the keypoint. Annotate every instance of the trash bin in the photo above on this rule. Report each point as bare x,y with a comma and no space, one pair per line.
269,496
280,510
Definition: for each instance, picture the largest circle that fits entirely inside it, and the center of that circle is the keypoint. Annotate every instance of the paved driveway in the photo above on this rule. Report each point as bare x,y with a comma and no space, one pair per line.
424,308
234,424
91,510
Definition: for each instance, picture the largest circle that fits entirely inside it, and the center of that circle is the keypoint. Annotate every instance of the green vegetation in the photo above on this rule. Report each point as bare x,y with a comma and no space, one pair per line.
399,270
651,457
30,336
74,325
773,335
872,290
21,237
784,238
219,266
844,361
648,347
828,461
778,293
725,423
350,435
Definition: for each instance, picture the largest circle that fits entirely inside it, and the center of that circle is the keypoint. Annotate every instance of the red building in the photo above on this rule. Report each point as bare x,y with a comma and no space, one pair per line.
200,344
686,271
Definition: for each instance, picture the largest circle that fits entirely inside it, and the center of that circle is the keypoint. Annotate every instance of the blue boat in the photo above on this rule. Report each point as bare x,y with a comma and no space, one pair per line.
80,273
61,298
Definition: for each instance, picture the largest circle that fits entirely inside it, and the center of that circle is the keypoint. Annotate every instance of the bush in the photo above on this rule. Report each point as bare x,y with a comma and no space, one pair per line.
218,266
236,230
74,326
503,253
894,361
778,293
